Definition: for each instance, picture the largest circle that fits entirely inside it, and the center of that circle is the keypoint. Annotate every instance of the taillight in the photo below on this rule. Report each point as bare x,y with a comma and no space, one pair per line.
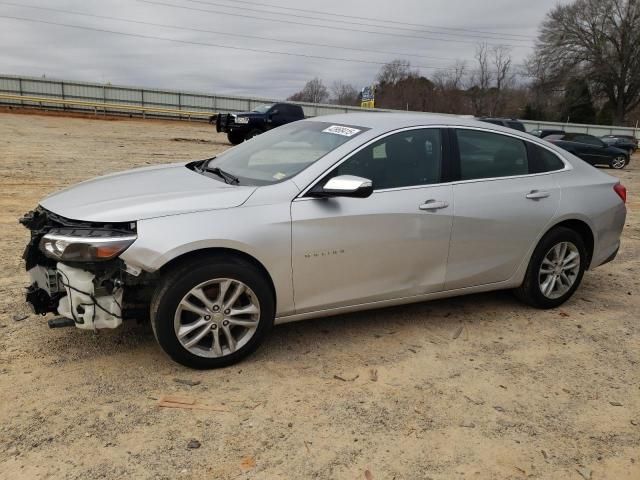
621,191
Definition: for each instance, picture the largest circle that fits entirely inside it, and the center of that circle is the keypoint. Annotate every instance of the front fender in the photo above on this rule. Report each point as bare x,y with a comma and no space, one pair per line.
260,231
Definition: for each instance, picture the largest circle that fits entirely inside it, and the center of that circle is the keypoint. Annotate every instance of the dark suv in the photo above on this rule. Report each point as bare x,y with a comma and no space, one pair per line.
245,125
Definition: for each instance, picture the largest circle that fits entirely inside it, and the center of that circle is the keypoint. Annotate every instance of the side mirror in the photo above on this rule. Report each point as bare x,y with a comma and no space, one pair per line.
344,186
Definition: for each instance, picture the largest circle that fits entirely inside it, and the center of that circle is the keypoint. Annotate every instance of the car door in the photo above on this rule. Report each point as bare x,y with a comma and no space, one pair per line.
277,116
503,200
393,244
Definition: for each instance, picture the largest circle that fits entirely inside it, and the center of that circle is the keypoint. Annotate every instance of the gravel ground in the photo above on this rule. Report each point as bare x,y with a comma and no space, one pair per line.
478,387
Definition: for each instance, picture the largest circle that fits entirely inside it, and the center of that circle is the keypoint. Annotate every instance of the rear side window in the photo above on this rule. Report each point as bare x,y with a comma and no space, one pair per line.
516,126
489,155
542,160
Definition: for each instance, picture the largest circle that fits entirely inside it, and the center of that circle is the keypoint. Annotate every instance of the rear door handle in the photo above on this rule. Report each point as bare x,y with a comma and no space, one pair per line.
537,194
433,205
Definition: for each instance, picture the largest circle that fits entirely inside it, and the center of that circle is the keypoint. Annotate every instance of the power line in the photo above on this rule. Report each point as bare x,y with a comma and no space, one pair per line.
206,44
331,27
384,20
193,29
491,37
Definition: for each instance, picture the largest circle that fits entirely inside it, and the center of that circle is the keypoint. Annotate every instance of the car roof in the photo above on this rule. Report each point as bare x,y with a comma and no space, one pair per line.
387,121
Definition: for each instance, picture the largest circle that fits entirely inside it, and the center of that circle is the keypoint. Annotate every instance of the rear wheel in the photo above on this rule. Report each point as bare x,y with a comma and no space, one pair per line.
555,269
212,312
618,162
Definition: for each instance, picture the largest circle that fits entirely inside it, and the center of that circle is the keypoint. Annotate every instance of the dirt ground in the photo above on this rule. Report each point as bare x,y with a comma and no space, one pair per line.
477,387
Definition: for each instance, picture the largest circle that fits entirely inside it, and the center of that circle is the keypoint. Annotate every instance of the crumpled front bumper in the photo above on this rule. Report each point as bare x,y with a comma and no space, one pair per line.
70,292
89,294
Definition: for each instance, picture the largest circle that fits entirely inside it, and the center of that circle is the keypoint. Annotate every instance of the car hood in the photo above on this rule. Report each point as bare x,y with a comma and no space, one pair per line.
145,193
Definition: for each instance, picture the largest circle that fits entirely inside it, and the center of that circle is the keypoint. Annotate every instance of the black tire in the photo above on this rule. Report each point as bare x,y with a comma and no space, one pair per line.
235,138
252,133
529,292
180,280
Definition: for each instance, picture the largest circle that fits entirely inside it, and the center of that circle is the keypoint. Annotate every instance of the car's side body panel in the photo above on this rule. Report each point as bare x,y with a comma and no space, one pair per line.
601,209
350,250
489,237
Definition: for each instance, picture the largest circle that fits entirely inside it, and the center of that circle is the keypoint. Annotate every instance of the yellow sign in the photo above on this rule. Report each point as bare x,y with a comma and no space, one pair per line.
368,97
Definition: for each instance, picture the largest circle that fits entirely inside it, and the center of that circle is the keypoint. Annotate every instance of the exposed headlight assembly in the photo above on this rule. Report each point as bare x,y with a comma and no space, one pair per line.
92,248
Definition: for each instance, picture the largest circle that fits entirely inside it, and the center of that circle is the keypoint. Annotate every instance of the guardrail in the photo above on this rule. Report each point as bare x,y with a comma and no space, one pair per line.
104,107
34,92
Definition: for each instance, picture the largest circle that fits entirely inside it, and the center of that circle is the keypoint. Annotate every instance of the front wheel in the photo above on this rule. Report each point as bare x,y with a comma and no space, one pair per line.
212,312
619,162
555,269
235,138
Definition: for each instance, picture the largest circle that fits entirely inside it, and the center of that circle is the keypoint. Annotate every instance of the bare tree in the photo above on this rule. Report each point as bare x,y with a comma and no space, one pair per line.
451,78
450,97
598,39
491,78
343,93
480,82
501,60
314,91
395,71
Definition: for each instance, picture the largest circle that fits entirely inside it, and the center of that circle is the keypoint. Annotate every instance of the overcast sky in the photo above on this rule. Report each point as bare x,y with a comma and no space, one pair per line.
431,34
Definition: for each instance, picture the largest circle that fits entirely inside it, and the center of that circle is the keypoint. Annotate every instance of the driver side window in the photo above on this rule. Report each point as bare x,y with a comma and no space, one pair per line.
404,159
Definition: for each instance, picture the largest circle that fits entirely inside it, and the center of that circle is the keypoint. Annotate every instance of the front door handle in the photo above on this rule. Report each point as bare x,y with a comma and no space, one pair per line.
537,194
433,205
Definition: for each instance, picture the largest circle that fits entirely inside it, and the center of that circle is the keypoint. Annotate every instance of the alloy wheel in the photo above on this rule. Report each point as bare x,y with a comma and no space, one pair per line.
618,162
559,270
216,318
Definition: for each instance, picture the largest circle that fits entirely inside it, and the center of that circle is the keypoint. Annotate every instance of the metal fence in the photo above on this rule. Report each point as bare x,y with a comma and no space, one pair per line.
143,97
182,104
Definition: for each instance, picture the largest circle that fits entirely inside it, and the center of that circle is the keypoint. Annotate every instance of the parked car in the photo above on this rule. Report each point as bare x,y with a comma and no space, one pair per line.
623,143
542,133
319,217
591,149
633,139
245,125
505,122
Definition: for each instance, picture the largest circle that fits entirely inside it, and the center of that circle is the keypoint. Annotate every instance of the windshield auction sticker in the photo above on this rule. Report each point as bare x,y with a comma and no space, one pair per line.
340,130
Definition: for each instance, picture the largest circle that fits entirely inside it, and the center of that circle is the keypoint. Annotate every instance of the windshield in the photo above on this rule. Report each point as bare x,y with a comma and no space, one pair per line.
263,108
283,152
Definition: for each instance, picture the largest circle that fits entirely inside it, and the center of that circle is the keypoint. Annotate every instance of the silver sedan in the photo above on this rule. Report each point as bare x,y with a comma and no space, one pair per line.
319,217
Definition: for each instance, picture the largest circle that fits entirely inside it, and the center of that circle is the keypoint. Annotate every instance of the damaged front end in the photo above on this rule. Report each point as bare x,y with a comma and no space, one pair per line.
76,271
